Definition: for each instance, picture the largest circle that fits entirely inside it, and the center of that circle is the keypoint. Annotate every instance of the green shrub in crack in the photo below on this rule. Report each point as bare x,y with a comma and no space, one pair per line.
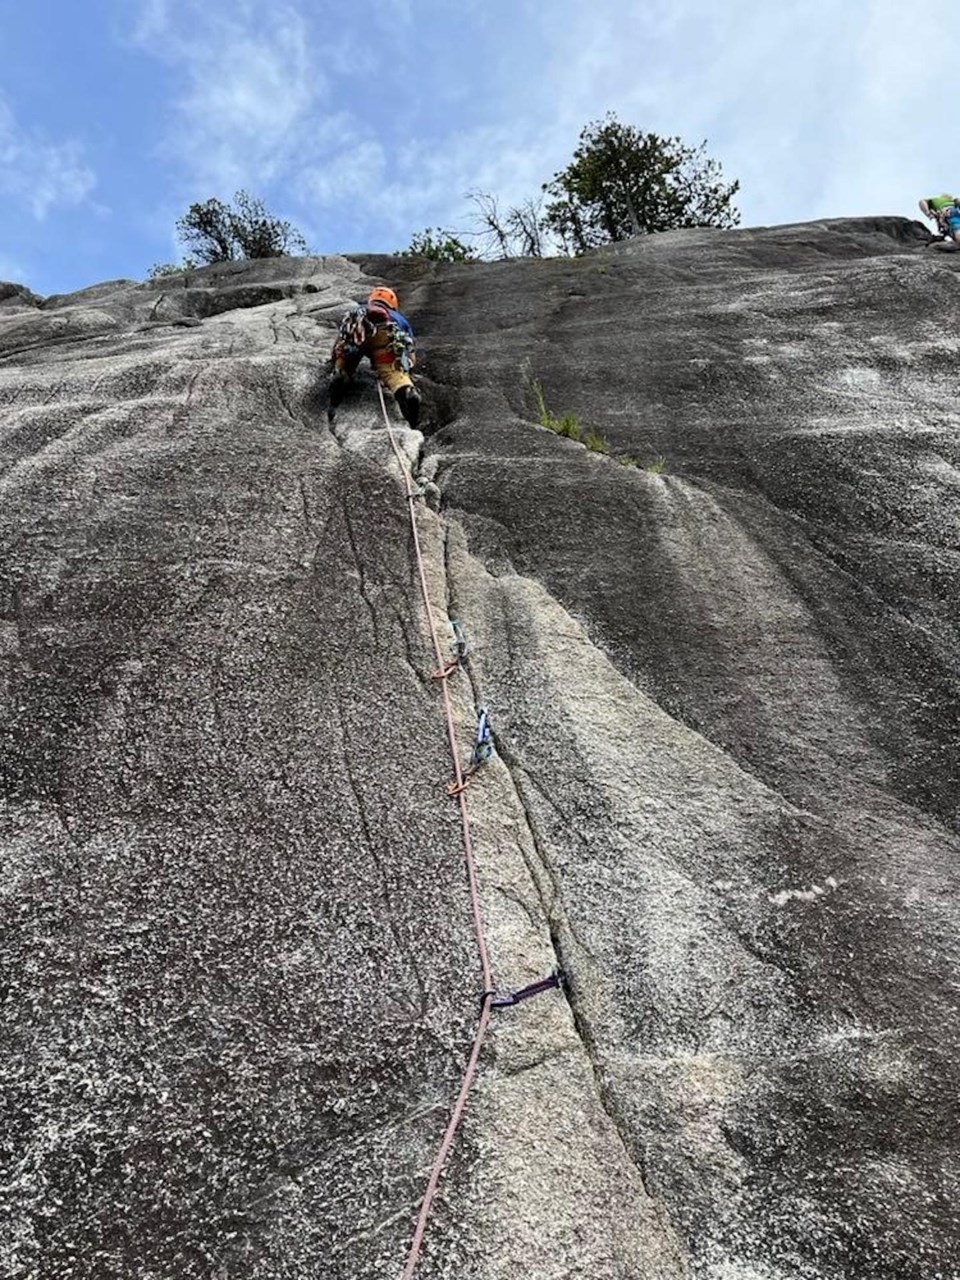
544,416
596,442
568,424
658,466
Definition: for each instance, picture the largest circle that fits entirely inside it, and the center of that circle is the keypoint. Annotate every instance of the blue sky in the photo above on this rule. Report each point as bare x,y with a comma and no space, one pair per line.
363,124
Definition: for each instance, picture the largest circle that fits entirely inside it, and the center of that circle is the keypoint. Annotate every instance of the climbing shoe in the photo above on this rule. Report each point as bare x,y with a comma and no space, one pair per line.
408,398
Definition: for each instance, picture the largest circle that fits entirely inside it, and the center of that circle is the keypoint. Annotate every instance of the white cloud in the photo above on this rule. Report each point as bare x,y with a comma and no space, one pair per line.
504,160
762,83
891,144
385,126
152,22
39,173
249,82
357,171
11,270
820,109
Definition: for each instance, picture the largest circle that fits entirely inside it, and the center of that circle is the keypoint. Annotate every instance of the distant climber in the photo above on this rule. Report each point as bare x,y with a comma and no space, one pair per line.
944,210
379,330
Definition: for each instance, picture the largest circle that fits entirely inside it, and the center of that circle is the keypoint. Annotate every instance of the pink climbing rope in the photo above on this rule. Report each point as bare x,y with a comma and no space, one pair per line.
469,1075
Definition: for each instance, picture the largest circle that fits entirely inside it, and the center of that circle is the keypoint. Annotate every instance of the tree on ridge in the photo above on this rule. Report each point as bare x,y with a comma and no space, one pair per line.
218,232
623,182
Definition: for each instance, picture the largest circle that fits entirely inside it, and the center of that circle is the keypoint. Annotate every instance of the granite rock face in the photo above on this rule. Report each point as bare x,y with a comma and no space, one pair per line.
722,663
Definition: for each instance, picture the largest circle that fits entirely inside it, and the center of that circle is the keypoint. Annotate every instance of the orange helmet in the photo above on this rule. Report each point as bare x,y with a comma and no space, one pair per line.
385,295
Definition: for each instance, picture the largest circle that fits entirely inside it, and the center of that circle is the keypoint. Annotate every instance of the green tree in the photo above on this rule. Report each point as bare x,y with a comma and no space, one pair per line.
218,232
439,246
623,182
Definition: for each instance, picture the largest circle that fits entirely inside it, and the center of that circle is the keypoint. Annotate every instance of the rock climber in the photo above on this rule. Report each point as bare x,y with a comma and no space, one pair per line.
944,210
379,330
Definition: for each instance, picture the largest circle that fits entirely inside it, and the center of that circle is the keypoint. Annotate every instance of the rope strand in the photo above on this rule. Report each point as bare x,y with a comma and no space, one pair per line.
470,1071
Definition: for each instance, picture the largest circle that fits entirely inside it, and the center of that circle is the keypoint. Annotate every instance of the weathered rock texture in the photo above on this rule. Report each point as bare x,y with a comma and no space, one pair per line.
239,981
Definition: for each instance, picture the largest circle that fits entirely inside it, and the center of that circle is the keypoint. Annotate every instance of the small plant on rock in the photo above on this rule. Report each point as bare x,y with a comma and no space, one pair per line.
596,442
658,466
544,416
160,270
568,424
439,246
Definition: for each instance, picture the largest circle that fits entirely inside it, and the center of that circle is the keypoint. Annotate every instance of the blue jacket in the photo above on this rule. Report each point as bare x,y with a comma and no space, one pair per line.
397,317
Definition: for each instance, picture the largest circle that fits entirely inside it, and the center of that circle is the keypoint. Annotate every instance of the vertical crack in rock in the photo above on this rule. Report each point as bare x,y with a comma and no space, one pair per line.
285,402
361,571
305,505
563,938
550,894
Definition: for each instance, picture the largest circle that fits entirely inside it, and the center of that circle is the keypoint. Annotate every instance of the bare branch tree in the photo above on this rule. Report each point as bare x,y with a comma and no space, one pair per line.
517,233
524,223
493,234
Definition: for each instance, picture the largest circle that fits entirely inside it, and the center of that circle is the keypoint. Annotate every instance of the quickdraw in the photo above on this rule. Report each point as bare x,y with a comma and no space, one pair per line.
483,747
481,754
507,999
401,344
459,645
